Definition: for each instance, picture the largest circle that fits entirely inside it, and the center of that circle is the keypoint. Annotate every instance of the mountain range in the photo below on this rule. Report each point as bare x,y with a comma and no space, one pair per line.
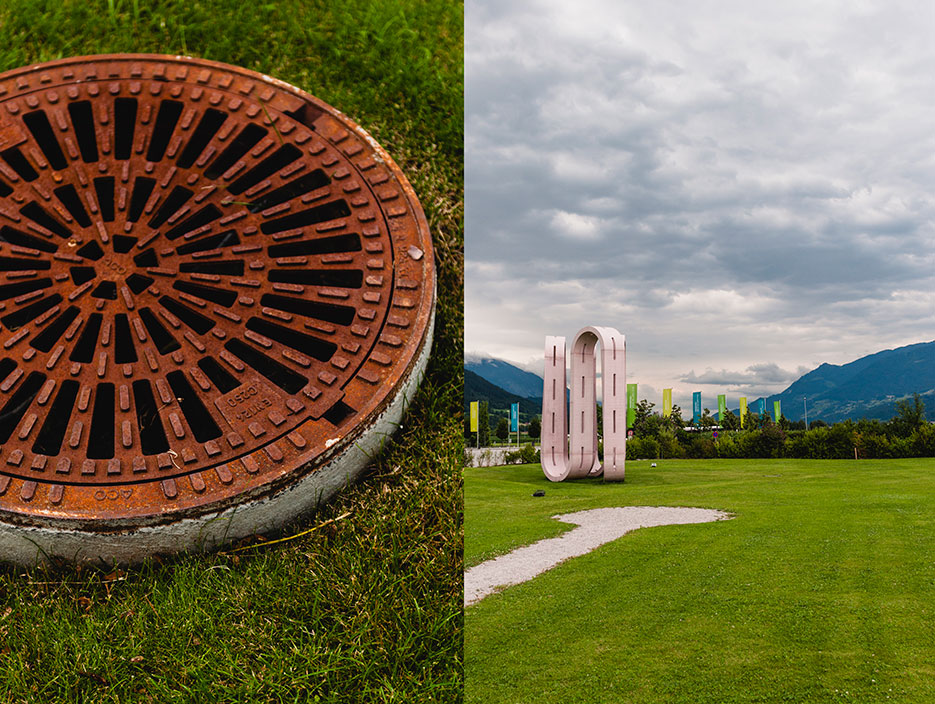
507,376
868,387
477,388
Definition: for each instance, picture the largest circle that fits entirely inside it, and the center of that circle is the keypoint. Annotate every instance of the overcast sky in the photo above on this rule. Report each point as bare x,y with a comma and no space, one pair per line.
745,190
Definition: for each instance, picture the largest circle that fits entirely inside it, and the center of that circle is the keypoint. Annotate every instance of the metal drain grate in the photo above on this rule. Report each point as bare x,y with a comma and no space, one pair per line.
213,286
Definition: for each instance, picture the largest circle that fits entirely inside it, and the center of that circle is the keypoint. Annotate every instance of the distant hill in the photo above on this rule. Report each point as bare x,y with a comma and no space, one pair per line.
868,387
507,376
476,388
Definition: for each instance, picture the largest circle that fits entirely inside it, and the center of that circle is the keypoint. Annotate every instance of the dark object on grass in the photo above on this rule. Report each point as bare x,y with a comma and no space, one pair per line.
541,492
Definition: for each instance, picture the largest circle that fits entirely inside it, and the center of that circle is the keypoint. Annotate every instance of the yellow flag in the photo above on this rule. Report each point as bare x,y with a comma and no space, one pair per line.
743,409
666,403
474,414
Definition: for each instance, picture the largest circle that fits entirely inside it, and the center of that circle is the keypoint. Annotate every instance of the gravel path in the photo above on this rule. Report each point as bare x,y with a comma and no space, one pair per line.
595,527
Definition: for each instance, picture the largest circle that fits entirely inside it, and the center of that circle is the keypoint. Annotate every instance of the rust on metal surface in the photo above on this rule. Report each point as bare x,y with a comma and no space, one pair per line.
208,281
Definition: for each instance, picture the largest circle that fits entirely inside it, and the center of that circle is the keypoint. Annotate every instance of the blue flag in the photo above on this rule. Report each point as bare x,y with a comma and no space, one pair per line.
696,407
514,418
762,404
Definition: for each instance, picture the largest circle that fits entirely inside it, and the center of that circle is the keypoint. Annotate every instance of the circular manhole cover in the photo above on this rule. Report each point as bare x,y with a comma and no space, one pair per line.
216,296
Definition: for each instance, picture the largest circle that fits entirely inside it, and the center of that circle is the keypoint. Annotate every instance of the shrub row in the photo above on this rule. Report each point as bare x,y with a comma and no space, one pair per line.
838,441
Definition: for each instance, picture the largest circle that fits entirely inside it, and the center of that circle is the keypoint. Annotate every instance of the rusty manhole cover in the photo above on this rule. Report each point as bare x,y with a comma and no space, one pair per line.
216,296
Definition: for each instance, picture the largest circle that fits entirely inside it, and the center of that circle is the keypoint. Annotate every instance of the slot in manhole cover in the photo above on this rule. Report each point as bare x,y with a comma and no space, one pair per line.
216,295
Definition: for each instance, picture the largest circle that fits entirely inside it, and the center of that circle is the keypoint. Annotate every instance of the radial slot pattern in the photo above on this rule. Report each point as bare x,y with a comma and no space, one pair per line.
208,279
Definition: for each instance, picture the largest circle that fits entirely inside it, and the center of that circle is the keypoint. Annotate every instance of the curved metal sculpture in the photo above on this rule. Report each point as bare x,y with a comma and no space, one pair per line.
558,462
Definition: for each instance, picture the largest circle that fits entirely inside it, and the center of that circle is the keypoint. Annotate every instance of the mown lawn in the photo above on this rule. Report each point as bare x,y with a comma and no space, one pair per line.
368,607
820,589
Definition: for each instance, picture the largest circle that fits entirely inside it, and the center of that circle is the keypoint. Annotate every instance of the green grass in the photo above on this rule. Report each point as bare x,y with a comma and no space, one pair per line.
367,609
820,589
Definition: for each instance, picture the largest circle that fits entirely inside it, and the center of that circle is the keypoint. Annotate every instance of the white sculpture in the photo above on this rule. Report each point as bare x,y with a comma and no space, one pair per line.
558,462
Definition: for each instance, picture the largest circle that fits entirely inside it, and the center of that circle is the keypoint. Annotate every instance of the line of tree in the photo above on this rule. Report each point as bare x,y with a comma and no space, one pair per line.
907,434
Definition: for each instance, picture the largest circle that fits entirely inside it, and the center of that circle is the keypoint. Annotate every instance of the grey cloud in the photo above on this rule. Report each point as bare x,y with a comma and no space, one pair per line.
754,375
780,158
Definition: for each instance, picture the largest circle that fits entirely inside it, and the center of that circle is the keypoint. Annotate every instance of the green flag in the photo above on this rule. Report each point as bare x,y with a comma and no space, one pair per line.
777,411
721,408
631,405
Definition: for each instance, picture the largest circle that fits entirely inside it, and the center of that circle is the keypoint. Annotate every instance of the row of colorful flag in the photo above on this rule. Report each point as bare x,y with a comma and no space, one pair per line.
721,407
666,408
514,416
